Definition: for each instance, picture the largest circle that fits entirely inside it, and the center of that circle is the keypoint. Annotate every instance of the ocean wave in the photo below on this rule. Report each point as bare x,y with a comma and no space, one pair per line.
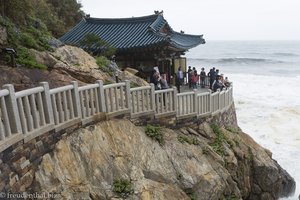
286,54
240,61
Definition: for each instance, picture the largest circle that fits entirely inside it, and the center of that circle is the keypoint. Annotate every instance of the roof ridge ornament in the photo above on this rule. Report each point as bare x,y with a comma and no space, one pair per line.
156,12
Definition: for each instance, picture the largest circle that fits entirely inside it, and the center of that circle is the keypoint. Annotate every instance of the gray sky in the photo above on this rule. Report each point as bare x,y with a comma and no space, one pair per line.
216,19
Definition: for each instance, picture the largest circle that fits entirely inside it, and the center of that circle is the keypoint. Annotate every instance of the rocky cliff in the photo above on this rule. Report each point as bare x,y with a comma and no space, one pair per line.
116,159
65,64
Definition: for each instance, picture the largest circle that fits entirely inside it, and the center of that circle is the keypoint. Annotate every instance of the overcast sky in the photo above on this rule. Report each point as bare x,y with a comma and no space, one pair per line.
215,19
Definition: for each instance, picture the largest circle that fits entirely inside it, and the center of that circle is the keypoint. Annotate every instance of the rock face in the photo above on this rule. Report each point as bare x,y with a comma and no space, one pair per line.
65,64
73,61
201,162
129,74
24,78
80,65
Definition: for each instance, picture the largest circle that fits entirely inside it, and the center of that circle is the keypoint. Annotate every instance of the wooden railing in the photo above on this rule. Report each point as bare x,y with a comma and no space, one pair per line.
29,113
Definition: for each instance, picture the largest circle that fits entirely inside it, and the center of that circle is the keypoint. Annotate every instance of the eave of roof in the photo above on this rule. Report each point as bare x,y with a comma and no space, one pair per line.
128,33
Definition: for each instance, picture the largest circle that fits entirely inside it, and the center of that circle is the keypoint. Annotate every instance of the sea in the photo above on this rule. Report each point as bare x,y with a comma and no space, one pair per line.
266,85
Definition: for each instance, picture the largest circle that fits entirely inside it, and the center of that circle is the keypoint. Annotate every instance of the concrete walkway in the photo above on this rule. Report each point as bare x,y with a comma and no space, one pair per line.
185,88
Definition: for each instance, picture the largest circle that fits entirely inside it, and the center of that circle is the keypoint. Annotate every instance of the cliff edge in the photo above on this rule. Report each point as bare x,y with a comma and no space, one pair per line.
115,159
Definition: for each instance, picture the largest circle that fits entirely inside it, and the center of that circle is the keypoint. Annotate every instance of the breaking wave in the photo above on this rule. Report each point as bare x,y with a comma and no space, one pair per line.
240,61
286,54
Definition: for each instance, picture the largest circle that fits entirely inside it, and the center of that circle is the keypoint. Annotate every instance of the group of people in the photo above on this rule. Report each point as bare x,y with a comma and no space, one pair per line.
193,77
159,80
216,80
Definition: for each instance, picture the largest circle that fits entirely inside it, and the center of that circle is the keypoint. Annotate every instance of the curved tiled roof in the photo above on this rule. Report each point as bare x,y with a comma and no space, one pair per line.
135,32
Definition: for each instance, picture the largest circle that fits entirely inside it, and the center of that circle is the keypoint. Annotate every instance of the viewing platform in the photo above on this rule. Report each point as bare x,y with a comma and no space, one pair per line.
27,114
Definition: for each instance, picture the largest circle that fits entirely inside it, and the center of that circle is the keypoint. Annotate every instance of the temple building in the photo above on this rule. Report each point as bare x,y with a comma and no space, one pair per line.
141,42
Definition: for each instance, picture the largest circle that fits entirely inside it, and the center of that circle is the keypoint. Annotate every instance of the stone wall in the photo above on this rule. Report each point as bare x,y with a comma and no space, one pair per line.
19,162
226,118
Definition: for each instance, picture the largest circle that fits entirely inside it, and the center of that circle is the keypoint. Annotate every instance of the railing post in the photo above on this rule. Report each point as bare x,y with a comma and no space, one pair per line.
127,94
76,99
196,102
152,96
12,109
231,94
101,96
47,103
219,100
211,101
175,99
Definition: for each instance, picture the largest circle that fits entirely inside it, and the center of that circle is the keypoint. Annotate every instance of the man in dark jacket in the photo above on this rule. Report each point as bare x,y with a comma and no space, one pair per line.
212,77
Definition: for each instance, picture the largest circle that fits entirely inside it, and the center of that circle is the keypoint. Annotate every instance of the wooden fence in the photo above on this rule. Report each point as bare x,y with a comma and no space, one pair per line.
29,113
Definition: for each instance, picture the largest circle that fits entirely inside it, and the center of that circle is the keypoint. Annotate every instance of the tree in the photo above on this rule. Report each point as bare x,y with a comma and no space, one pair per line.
93,44
68,12
58,15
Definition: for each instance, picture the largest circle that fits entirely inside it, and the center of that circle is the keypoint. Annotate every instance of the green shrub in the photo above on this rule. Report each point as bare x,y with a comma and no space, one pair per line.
103,63
205,150
193,196
231,197
154,132
94,45
250,155
25,58
27,36
123,187
13,35
28,41
189,140
237,143
232,129
217,145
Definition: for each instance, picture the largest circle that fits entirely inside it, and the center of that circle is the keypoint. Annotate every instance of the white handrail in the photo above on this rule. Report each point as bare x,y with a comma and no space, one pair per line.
4,92
32,112
61,89
30,91
114,85
87,87
140,88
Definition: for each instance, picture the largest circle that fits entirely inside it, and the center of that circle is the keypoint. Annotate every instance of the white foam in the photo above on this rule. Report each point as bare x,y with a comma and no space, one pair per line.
267,96
268,108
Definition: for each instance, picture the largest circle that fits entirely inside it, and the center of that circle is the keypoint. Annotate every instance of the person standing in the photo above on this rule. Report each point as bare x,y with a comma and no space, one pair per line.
155,79
227,82
179,75
189,73
202,77
179,79
195,79
163,81
212,77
